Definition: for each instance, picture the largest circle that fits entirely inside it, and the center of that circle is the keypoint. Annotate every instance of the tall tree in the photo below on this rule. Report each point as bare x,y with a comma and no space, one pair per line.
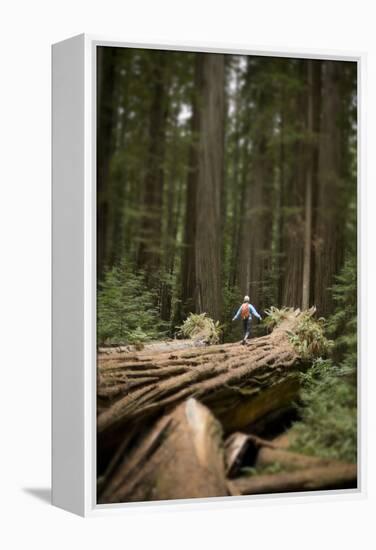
149,255
329,231
293,194
208,260
256,223
313,126
177,146
106,121
234,154
188,270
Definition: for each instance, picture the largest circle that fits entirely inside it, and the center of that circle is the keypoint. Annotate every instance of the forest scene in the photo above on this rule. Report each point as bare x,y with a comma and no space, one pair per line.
226,275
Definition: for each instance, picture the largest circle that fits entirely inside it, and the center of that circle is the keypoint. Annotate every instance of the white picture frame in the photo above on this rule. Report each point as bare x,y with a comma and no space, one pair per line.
74,276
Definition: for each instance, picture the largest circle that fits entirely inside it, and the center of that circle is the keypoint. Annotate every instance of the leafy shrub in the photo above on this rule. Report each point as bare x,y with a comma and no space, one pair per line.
126,309
200,327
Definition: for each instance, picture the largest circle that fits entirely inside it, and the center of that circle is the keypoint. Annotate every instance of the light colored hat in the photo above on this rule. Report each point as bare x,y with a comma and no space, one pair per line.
246,298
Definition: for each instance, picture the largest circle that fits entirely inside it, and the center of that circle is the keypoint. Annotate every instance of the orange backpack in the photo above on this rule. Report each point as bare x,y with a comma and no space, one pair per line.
244,312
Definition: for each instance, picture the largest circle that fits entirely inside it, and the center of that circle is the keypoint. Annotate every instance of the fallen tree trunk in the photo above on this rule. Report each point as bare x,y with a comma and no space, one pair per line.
290,460
241,450
250,450
119,353
338,476
237,446
240,384
181,456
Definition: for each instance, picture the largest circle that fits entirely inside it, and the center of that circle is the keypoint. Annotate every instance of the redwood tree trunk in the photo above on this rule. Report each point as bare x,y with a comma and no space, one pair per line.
208,242
180,456
106,69
308,195
293,200
330,216
256,217
188,276
337,476
151,228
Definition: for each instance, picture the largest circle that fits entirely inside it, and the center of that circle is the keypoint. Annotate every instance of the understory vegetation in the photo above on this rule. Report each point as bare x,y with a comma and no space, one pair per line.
126,309
328,408
201,327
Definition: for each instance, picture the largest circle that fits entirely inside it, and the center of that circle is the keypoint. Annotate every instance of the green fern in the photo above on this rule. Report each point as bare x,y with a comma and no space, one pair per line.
199,326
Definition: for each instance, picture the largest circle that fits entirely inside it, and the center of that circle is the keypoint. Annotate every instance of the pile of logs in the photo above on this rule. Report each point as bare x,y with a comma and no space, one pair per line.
181,422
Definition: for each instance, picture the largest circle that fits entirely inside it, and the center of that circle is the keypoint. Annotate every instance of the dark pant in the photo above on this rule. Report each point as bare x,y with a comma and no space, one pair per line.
246,328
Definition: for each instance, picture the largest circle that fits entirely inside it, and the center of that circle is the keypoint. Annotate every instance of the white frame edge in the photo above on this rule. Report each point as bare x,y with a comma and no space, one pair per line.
74,279
68,172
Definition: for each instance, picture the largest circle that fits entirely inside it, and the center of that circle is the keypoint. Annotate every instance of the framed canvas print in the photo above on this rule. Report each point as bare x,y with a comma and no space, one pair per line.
206,274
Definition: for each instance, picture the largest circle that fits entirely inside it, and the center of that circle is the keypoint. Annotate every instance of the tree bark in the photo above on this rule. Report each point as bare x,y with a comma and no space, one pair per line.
188,277
237,446
208,242
330,212
240,384
250,450
338,476
106,82
268,455
293,197
308,196
180,456
150,252
234,177
119,353
256,218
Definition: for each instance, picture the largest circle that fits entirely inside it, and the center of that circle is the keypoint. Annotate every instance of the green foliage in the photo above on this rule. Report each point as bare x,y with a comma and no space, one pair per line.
342,325
275,316
309,338
328,400
329,396
329,414
200,327
126,308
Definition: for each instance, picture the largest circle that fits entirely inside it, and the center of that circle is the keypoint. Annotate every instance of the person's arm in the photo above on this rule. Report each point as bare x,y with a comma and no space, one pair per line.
237,314
254,312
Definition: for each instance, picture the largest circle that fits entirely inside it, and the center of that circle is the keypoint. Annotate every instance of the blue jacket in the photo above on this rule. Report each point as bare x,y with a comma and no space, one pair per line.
252,311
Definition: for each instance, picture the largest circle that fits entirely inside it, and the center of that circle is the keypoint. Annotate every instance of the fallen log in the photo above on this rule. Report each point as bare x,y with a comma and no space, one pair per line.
250,450
119,353
290,460
181,456
242,449
237,446
338,476
240,384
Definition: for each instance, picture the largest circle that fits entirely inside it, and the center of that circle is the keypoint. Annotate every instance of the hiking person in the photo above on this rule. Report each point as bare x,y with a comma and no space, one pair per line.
245,312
